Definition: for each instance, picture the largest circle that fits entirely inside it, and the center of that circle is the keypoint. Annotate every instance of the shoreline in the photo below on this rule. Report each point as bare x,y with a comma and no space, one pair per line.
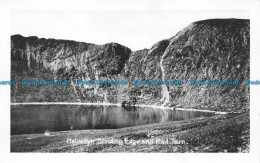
116,104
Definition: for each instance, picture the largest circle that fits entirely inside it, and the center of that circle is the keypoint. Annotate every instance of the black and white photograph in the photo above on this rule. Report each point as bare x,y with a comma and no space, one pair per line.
113,77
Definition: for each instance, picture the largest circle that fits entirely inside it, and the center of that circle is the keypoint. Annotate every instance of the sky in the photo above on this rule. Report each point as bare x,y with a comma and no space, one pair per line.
134,28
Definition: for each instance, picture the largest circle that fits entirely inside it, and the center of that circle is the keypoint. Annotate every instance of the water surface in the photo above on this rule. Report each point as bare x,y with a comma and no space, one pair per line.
30,119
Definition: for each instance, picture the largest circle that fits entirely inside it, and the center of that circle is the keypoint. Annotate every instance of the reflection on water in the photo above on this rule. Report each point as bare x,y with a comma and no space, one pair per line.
38,119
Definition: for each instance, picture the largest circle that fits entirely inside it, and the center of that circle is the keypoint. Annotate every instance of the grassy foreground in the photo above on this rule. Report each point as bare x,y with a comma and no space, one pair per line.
220,133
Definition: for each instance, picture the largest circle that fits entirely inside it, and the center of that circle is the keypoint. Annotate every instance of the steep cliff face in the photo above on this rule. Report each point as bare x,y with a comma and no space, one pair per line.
205,50
56,54
215,50
144,65
67,60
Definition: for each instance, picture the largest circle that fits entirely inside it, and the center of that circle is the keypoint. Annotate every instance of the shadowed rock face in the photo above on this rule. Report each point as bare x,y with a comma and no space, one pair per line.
216,49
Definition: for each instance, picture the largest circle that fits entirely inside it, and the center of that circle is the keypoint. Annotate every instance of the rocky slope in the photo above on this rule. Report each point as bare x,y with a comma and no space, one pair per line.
216,49
210,50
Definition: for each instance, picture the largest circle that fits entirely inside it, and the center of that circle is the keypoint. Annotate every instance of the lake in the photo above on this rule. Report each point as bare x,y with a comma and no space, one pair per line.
31,119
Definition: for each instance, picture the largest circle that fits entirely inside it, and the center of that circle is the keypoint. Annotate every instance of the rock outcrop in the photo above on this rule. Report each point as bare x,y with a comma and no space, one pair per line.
217,49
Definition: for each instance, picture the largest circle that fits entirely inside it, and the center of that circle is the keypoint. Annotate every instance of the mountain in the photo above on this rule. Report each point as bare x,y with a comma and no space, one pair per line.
215,49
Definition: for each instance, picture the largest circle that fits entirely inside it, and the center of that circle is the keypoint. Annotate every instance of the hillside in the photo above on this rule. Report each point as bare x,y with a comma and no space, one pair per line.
216,49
